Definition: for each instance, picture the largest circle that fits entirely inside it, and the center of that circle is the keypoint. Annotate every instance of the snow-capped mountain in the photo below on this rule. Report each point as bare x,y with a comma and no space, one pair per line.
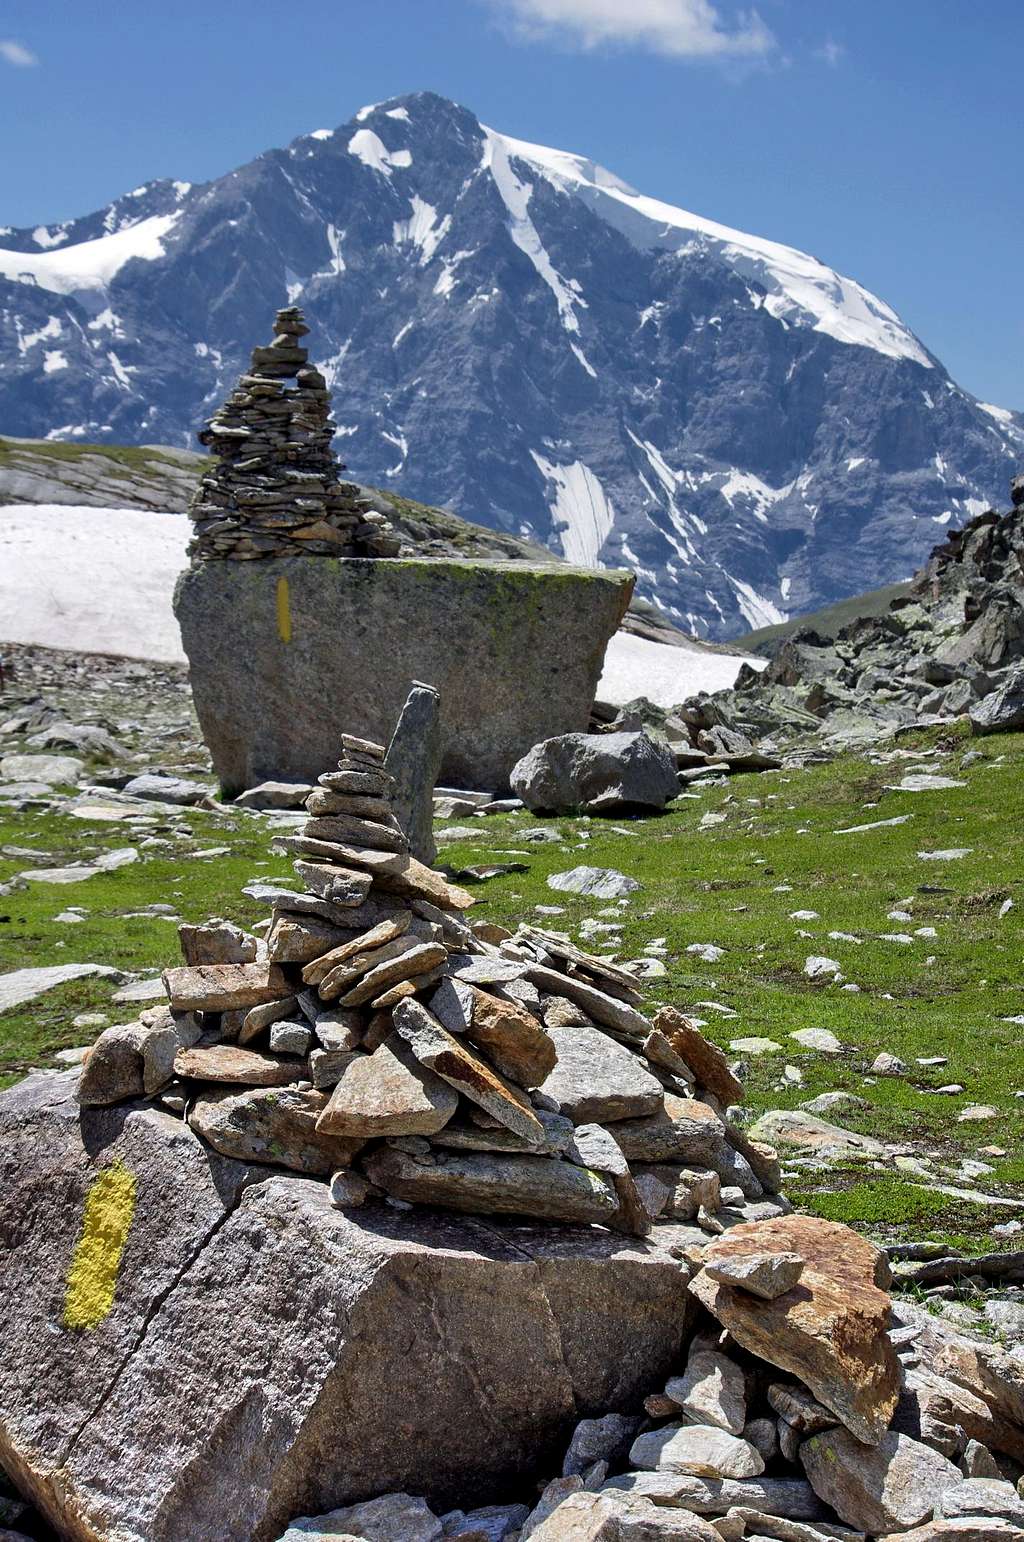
513,332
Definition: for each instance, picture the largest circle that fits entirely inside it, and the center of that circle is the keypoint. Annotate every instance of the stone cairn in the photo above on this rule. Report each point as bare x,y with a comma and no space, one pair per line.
276,488
375,1039
375,1036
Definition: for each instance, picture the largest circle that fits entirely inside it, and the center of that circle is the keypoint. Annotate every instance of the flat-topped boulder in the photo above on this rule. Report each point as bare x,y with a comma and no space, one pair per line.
195,1348
288,653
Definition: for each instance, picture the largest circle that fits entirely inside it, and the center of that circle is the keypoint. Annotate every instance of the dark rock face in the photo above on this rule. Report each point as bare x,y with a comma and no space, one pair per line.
289,653
252,1353
510,333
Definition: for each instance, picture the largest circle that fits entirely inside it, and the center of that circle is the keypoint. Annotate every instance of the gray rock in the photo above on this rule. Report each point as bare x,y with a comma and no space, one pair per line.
767,1275
290,1038
596,1079
600,772
275,795
700,1450
1002,710
47,769
375,626
886,1487
684,1130
452,1005
414,758
596,882
599,1440
982,1496
271,1125
491,1184
790,1497
21,985
711,1390
166,789
262,1348
610,1517
386,1519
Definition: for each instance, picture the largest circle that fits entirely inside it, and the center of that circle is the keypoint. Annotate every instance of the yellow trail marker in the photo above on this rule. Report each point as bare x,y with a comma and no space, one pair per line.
284,616
92,1278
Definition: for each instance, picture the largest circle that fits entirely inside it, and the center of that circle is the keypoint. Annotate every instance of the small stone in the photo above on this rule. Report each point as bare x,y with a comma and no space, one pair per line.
700,1450
290,1038
597,882
818,1038
216,942
605,1439
712,1389
767,1275
386,1519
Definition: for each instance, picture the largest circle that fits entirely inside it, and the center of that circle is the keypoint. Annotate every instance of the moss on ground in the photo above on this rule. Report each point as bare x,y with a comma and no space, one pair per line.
733,883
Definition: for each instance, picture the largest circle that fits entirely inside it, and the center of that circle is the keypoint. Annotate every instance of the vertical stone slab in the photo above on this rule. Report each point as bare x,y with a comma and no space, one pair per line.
414,760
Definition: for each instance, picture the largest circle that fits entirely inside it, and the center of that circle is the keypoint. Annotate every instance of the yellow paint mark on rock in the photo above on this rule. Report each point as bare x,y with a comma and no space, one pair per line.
284,615
92,1278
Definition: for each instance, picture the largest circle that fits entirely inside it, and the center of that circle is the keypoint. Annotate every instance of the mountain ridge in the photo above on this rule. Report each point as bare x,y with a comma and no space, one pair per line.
515,334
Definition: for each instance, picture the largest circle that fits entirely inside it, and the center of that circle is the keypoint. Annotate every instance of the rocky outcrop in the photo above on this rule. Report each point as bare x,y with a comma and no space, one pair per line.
598,773
197,1347
263,638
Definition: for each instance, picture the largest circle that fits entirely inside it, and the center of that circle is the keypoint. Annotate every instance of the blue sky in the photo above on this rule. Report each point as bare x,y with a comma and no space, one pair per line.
882,135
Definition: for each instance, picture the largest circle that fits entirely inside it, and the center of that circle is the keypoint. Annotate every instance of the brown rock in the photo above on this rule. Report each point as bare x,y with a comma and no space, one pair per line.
706,1060
228,1063
440,1051
395,873
216,942
376,937
223,987
388,1093
343,976
894,1483
975,1528
413,987
830,1330
685,1130
609,1517
511,1038
417,960
596,1004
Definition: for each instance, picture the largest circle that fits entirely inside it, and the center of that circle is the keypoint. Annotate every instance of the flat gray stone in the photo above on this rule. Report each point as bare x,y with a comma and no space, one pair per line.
595,882
386,1519
21,985
48,769
700,1450
597,1079
167,789
277,1126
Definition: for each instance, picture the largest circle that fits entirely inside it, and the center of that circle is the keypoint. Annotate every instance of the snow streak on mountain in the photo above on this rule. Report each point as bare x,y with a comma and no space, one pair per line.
513,332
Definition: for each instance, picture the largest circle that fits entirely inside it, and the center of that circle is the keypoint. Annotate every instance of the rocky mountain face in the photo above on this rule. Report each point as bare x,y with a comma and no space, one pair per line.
511,332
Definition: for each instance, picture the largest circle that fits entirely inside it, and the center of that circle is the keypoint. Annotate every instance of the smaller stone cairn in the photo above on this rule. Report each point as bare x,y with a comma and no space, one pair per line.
276,488
376,1037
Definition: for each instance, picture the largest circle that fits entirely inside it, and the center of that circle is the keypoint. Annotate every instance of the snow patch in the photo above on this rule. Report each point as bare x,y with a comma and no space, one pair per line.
320,134
397,112
422,229
855,461
47,238
757,609
666,675
516,197
110,592
367,147
53,360
579,508
89,264
26,340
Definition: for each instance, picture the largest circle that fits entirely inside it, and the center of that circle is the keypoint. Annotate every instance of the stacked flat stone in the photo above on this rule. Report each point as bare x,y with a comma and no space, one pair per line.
276,488
375,1036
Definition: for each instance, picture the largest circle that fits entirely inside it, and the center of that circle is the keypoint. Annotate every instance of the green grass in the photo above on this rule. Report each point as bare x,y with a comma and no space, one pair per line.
123,458
719,884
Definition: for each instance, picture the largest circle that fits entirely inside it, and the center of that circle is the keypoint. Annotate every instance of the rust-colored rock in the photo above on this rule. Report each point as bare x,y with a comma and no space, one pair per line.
511,1038
223,987
706,1060
229,1063
830,1330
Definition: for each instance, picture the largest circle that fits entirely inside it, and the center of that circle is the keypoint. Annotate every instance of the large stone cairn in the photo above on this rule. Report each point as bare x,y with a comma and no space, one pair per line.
374,1036
276,488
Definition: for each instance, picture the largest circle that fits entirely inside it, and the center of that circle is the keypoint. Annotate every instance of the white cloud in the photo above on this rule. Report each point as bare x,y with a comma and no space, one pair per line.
681,29
831,52
17,54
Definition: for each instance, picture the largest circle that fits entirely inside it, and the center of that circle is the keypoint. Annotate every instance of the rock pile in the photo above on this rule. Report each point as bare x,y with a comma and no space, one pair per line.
807,1407
276,488
951,646
376,1036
